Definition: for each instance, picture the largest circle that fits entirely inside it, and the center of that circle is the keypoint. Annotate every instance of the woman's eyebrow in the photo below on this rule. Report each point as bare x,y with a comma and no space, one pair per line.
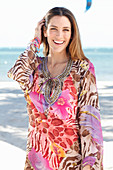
67,27
53,26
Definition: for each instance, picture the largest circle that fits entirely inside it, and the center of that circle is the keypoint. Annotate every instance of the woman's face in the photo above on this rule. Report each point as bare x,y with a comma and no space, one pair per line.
58,33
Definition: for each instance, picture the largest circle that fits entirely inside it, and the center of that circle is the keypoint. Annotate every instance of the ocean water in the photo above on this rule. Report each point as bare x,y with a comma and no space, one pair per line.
102,58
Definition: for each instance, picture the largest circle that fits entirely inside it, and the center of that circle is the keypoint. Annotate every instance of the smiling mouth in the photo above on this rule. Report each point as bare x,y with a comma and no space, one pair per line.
58,42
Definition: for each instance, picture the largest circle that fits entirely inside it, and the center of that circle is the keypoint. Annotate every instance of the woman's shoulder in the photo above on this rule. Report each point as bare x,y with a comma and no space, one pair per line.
82,66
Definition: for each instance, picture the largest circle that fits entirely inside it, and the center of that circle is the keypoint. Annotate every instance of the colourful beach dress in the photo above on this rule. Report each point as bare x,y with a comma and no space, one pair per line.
64,130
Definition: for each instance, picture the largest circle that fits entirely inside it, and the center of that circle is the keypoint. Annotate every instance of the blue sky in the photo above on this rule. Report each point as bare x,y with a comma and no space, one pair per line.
18,19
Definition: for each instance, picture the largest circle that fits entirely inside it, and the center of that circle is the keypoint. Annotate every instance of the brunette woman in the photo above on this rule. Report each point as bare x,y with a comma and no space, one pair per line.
62,99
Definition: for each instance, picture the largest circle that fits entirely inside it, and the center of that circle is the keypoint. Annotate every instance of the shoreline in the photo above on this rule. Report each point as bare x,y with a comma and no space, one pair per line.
14,121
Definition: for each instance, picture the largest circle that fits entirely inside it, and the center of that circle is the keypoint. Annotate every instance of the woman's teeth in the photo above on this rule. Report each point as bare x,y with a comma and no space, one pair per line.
59,42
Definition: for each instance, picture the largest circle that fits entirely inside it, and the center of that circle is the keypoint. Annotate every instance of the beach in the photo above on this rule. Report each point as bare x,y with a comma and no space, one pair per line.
14,124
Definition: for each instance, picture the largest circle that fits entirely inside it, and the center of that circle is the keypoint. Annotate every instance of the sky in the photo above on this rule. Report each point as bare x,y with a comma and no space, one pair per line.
18,19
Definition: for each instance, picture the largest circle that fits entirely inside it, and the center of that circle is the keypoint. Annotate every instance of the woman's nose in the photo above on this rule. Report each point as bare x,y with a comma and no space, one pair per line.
59,33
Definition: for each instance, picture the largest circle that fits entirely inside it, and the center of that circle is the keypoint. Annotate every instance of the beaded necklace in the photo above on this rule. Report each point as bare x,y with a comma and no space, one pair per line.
53,86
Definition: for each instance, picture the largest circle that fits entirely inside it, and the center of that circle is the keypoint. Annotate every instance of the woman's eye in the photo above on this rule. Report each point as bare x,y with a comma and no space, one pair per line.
66,30
53,28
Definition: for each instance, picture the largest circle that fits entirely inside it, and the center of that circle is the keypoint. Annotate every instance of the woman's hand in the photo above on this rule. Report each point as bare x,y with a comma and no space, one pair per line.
87,167
38,29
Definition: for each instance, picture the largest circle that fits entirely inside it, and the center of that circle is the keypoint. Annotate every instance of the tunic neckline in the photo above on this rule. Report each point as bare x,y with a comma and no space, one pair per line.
53,86
59,75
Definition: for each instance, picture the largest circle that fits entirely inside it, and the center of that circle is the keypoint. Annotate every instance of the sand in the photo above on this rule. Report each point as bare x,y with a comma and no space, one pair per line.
11,157
14,123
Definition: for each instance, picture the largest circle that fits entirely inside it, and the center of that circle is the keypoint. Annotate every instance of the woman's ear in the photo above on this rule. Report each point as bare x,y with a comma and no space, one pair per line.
45,31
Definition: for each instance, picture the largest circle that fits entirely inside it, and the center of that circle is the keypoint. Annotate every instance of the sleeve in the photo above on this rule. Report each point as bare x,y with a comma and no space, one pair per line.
90,129
25,65
28,165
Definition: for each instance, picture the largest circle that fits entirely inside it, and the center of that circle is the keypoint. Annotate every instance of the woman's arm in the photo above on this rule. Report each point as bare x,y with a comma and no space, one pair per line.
89,122
27,62
25,65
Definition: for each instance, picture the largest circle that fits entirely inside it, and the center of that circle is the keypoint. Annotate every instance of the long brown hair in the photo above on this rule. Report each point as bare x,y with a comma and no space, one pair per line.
74,47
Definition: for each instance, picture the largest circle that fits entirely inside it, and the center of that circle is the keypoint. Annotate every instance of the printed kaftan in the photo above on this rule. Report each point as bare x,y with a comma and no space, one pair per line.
64,121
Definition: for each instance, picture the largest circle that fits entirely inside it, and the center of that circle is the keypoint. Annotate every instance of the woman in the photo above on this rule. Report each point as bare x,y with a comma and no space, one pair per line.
62,100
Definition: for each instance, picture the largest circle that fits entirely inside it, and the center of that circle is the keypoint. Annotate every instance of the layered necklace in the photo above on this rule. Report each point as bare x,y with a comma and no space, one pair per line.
53,86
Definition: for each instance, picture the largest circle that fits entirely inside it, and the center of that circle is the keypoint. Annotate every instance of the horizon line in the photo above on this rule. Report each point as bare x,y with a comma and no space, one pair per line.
89,47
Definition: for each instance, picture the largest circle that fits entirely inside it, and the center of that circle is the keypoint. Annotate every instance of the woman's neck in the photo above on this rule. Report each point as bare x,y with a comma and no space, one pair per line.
57,58
57,63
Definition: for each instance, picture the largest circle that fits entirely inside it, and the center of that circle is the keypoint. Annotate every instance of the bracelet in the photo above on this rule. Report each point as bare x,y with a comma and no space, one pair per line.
37,39
36,43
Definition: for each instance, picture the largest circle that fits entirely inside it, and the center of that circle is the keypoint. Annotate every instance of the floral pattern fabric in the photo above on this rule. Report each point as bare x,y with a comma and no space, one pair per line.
66,134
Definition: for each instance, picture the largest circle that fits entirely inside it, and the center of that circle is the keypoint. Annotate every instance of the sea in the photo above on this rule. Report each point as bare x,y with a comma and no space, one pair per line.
102,59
